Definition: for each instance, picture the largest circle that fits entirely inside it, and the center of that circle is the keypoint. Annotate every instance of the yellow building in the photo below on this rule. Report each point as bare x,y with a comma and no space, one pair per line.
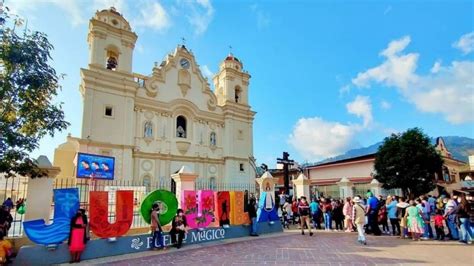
154,124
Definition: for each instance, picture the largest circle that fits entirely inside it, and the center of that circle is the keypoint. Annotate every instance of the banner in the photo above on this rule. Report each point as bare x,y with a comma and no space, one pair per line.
95,166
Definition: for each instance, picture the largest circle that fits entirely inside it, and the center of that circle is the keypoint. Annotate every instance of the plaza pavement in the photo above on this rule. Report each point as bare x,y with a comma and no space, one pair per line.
292,248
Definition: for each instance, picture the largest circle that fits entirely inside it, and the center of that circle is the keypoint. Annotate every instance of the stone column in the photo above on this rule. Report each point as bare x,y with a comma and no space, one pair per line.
301,185
345,188
376,187
40,192
185,180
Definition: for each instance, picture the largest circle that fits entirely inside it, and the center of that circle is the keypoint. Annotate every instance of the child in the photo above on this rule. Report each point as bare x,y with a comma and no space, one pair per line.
156,229
439,226
5,250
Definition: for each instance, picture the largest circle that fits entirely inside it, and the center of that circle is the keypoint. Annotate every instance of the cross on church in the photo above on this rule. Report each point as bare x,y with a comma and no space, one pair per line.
183,40
230,49
286,163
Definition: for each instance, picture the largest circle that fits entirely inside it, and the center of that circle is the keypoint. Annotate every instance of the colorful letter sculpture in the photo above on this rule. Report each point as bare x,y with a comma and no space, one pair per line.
202,208
66,204
223,208
99,224
237,204
266,208
167,202
199,213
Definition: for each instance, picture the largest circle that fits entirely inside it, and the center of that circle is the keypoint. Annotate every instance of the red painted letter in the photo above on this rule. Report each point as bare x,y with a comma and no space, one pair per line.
98,212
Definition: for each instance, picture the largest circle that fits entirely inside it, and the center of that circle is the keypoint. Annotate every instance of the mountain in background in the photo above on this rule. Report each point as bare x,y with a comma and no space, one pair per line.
460,148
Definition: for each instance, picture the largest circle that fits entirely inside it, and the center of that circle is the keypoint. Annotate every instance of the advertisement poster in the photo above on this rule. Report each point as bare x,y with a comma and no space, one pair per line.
95,166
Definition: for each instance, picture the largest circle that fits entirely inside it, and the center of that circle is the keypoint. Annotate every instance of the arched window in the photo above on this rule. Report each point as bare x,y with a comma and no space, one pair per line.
148,130
238,94
212,139
147,183
112,59
212,183
181,127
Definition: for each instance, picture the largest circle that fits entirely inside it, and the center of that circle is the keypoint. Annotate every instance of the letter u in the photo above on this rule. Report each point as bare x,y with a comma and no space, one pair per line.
99,223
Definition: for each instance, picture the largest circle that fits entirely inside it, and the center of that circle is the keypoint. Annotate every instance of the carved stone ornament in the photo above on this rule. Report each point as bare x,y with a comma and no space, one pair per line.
211,104
147,165
183,146
151,87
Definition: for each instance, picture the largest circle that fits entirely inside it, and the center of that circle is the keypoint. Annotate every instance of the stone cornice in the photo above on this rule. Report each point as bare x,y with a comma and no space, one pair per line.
101,144
174,157
116,82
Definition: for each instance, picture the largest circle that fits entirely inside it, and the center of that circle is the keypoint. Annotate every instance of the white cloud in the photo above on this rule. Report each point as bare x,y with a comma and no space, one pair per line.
436,67
119,5
344,89
72,8
206,72
199,14
385,105
465,43
315,138
263,18
397,70
446,90
387,10
450,92
361,107
153,15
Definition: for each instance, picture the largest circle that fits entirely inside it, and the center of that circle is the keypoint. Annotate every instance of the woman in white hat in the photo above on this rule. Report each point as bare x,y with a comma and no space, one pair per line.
358,214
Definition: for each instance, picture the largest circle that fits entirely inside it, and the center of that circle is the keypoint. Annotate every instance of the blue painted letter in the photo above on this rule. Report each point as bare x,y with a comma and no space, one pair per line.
66,203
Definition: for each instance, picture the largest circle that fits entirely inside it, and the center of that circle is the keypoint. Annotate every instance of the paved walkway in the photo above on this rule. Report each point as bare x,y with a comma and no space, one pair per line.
292,248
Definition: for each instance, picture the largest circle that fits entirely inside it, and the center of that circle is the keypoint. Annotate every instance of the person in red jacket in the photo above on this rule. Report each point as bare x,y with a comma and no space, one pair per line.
294,210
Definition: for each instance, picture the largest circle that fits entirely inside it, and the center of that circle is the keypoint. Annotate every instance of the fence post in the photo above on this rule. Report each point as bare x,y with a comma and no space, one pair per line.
185,180
302,186
40,192
376,187
345,188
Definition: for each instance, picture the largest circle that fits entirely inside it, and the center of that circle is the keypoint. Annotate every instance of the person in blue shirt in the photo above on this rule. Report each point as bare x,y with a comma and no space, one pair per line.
314,208
372,214
392,215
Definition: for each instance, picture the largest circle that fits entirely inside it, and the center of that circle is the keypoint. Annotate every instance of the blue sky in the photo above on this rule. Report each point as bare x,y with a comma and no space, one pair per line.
327,76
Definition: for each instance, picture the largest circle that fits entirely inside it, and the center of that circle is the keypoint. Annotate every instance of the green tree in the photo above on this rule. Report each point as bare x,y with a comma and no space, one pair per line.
28,85
408,161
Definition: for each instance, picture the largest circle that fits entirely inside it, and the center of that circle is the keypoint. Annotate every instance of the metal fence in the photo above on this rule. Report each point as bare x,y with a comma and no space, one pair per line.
327,191
361,189
16,189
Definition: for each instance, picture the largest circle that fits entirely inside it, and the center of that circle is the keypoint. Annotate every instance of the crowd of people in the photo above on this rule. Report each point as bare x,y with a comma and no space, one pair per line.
452,217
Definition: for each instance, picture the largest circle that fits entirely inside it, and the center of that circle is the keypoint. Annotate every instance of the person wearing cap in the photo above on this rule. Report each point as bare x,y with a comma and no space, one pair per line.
303,210
358,214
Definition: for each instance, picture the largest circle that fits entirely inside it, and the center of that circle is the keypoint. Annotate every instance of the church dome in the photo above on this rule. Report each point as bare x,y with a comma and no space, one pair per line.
112,17
231,57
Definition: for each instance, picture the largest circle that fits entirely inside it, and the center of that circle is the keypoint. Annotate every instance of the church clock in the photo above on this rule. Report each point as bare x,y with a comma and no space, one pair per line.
184,63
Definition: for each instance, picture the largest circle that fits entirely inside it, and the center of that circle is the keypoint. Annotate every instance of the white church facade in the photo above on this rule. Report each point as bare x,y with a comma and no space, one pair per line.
154,124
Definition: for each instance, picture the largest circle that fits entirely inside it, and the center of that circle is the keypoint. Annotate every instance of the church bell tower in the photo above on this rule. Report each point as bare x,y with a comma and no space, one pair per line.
111,41
231,82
